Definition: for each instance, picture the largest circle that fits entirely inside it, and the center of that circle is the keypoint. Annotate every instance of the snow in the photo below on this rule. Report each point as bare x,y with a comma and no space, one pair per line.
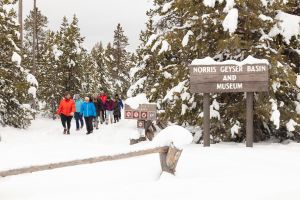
229,5
134,102
214,110
276,86
184,108
57,52
156,44
270,170
298,81
186,38
211,3
177,135
151,39
16,58
231,21
290,126
275,114
167,75
32,80
265,18
181,89
235,129
270,2
167,7
288,26
164,47
135,86
32,91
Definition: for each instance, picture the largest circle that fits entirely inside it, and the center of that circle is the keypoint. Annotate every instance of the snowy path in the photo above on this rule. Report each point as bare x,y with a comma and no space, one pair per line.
224,171
44,143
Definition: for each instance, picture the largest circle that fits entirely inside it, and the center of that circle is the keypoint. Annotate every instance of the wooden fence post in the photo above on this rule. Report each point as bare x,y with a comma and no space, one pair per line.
169,159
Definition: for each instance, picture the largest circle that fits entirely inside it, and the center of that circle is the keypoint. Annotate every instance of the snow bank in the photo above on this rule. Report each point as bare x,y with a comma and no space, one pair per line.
176,134
134,102
288,26
231,21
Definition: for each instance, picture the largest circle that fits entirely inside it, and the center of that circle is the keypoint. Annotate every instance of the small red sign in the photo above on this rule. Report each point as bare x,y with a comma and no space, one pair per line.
144,115
141,124
136,114
128,114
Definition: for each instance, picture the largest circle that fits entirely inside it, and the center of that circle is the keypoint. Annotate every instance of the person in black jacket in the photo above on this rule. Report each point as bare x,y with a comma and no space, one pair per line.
99,106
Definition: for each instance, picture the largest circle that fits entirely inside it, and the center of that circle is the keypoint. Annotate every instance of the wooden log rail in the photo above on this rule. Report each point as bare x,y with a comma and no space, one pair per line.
169,157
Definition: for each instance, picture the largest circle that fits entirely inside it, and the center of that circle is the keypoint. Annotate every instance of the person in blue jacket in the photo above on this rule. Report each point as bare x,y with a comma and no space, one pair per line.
77,114
88,110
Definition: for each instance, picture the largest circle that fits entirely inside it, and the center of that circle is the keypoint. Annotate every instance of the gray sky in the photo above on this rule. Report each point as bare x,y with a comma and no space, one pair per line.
97,18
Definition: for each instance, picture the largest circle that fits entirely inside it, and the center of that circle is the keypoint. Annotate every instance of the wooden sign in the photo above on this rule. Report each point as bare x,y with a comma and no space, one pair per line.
229,78
219,78
144,112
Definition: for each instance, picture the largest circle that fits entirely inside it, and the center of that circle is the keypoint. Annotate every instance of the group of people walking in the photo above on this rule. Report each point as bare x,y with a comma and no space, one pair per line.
94,110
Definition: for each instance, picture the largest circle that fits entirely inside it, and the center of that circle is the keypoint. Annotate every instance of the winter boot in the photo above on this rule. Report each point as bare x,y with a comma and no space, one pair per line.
68,132
65,131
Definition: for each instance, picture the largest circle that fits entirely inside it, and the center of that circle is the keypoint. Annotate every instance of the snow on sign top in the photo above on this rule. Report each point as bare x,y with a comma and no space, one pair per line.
249,60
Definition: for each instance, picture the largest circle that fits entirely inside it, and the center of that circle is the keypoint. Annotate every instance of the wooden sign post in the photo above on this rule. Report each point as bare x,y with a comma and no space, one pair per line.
144,114
223,78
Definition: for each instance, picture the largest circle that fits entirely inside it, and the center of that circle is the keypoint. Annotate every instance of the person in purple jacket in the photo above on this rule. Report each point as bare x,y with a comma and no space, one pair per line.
109,106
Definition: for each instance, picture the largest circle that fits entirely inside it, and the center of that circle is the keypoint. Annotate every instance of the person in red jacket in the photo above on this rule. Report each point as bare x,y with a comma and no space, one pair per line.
66,111
103,98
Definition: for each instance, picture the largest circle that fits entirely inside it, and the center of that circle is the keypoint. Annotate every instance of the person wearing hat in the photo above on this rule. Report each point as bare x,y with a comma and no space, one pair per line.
77,115
66,111
88,110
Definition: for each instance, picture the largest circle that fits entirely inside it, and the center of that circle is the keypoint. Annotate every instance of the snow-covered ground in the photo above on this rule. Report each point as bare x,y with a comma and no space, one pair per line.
221,172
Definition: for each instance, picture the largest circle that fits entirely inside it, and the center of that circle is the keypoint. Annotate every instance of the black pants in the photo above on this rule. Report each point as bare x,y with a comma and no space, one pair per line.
66,120
78,118
102,116
89,124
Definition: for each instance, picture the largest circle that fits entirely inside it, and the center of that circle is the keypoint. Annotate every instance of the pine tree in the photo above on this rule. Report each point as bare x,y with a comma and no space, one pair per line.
41,32
118,62
70,61
100,69
13,83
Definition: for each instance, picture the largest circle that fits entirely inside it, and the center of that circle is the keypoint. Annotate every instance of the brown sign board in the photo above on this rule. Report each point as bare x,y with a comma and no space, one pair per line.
144,112
229,78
